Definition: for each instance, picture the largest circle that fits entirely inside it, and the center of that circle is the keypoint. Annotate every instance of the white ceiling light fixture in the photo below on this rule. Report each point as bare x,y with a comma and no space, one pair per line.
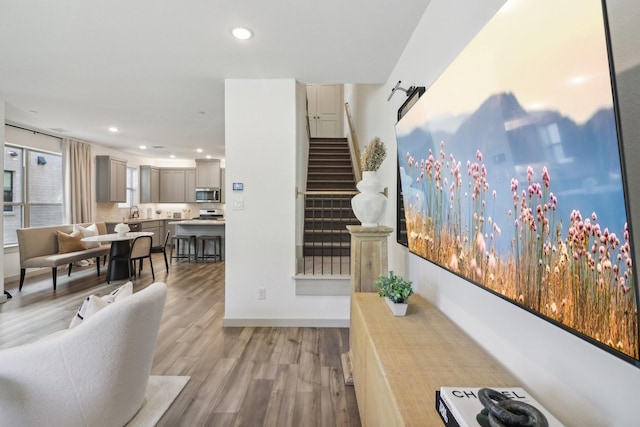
172,156
113,129
143,147
199,150
242,33
208,156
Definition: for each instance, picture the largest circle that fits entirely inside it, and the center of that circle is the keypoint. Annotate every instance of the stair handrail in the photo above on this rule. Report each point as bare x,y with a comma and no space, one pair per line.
353,146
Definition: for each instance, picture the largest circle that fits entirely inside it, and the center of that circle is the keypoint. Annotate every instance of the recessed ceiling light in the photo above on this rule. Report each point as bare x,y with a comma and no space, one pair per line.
208,156
199,150
143,147
242,33
113,129
172,156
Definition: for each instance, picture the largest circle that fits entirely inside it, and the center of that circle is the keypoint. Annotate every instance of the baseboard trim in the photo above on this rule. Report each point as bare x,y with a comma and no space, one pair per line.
286,323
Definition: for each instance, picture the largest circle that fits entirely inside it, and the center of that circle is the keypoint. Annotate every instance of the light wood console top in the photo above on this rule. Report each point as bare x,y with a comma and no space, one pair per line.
400,362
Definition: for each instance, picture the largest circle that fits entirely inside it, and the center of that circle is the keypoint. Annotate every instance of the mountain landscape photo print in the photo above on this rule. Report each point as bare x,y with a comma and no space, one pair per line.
510,167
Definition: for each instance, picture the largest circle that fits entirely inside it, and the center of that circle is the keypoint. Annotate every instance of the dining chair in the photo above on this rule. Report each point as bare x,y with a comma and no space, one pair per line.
140,249
162,249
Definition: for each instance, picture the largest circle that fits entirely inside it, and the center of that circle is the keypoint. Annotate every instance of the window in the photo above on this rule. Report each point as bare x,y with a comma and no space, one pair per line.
132,188
32,190
8,190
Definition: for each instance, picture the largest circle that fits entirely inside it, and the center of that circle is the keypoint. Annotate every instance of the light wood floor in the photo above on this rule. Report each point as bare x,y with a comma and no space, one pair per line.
239,376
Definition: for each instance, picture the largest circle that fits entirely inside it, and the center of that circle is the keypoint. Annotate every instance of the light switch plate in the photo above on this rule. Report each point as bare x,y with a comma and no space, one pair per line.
238,204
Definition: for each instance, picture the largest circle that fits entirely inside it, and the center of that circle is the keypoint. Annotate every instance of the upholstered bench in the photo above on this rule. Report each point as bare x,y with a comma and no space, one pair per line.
42,247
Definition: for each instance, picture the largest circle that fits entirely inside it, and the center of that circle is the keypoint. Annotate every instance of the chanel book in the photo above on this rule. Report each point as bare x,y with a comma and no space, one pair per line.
463,404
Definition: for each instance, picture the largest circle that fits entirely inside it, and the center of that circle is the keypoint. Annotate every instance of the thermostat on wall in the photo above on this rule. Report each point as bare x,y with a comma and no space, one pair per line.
238,186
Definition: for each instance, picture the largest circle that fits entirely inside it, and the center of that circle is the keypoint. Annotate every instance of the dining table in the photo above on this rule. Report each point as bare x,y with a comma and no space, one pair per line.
120,245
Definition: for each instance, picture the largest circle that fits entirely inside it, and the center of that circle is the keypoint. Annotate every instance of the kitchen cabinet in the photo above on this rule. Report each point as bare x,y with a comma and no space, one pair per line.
190,186
111,179
149,184
172,183
133,226
175,185
157,228
207,173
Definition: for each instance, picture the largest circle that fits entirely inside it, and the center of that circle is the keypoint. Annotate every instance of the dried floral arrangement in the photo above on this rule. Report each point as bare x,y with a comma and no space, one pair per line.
373,155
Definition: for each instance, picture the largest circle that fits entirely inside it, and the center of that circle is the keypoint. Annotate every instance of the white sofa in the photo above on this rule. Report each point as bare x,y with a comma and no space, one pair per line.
92,375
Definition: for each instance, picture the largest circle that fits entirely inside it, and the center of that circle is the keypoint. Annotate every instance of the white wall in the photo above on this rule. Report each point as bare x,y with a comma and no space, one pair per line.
2,297
260,146
302,160
581,384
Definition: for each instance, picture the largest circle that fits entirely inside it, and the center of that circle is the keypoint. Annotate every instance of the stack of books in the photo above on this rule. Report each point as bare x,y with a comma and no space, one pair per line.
458,406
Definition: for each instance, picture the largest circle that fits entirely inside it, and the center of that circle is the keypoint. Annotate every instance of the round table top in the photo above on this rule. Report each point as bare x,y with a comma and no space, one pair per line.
113,237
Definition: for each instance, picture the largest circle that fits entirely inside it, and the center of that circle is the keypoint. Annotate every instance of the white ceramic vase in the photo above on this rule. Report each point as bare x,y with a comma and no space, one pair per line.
398,309
369,205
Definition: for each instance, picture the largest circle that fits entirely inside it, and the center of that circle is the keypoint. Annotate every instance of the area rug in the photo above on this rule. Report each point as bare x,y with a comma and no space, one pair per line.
160,394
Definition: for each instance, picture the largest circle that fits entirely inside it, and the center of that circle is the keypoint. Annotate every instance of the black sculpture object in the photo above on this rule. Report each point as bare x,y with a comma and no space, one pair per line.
500,411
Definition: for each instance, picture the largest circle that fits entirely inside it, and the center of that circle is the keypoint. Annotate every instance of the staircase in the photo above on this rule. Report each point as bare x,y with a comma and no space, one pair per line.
327,214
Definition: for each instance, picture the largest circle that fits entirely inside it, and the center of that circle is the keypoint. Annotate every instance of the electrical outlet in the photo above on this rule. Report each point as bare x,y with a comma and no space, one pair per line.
262,293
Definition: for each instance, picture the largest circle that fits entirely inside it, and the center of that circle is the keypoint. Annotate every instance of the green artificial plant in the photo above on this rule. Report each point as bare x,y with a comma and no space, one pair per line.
396,288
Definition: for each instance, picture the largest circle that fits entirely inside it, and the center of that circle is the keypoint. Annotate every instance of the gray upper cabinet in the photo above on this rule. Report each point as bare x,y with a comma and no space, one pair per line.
149,184
207,173
111,179
175,185
190,186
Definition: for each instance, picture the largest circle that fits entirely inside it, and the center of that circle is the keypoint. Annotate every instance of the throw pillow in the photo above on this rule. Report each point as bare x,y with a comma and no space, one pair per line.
119,293
89,307
93,303
70,242
89,231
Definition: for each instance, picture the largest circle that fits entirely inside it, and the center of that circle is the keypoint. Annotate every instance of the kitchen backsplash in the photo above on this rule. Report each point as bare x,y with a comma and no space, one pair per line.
110,212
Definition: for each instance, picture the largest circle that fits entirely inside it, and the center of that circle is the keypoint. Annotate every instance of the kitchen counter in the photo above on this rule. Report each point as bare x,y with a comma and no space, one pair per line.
189,222
137,220
201,227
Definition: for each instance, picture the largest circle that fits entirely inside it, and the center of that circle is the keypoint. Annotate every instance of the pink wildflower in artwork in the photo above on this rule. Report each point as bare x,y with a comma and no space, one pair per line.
453,264
545,177
482,246
492,262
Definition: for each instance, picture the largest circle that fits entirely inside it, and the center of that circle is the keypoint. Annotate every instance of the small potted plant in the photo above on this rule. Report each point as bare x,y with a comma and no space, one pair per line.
396,291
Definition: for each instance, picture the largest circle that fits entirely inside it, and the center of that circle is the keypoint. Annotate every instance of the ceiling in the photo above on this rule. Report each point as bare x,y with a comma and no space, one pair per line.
155,69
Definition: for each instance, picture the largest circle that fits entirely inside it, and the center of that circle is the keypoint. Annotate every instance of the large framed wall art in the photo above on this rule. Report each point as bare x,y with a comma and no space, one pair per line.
512,177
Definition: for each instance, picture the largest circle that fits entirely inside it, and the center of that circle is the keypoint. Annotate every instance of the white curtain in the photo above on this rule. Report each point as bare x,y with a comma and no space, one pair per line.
78,167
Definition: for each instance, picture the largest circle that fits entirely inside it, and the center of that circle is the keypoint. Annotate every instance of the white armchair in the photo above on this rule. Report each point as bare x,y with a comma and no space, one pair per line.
92,375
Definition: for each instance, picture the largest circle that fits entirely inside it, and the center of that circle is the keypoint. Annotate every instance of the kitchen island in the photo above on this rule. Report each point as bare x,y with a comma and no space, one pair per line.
201,227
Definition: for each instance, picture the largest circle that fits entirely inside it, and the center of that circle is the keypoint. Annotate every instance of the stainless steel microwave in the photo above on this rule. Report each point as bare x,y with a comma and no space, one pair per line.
211,195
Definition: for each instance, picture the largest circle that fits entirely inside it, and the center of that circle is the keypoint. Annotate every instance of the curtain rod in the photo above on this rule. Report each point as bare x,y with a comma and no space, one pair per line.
34,131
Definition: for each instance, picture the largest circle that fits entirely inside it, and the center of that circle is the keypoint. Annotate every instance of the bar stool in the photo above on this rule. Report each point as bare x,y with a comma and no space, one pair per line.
187,239
217,247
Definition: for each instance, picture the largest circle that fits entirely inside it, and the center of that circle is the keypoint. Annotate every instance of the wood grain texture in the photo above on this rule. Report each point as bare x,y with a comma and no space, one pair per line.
400,362
239,376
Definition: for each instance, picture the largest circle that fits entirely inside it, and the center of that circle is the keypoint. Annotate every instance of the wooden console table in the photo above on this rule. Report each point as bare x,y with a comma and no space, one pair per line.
400,362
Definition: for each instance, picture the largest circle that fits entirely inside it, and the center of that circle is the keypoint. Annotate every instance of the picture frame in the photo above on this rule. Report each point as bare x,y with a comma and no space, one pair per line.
511,172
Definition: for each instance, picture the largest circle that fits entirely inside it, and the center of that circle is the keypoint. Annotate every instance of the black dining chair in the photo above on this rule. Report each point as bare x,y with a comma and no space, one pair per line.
140,249
162,249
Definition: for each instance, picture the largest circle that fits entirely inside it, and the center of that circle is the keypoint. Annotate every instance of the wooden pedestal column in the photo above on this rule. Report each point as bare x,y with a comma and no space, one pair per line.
369,256
369,261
